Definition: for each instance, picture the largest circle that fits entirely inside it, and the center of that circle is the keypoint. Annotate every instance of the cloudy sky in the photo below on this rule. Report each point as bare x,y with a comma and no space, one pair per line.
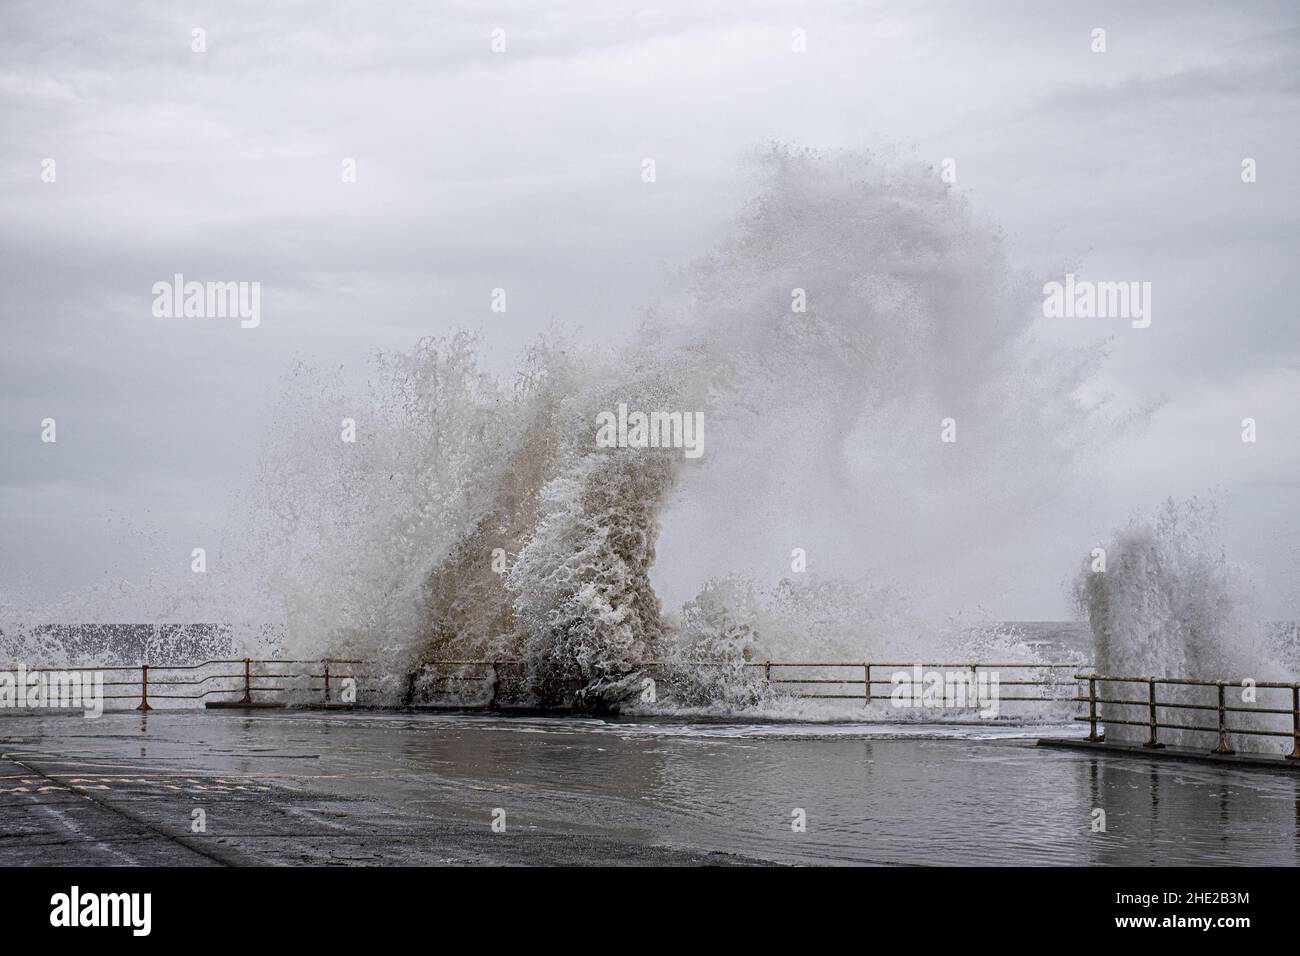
522,169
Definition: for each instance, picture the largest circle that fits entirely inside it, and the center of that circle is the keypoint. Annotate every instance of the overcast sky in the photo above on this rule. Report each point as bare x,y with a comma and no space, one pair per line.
521,169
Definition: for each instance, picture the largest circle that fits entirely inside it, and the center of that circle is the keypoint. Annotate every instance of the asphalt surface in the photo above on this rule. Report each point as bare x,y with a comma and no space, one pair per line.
120,798
363,788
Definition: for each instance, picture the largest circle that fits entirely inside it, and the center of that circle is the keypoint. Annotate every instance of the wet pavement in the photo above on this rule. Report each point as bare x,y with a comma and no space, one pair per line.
367,788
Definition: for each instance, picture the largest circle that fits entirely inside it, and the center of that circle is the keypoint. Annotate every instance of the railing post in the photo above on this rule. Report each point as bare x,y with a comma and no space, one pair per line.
144,688
327,682
1151,706
1295,722
248,682
1223,747
767,671
866,681
1092,711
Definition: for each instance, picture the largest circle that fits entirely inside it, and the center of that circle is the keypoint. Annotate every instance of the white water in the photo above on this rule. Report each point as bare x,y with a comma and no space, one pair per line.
384,549
1171,604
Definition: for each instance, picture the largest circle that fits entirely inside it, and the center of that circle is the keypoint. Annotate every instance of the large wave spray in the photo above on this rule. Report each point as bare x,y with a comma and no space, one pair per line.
394,548
1169,603
477,517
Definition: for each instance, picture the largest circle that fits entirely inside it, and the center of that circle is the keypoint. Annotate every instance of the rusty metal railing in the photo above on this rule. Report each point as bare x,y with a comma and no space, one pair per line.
1047,681
254,681
829,680
1220,708
257,680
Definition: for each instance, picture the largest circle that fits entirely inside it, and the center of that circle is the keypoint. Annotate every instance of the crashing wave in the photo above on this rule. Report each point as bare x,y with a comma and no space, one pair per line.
475,519
856,304
1168,603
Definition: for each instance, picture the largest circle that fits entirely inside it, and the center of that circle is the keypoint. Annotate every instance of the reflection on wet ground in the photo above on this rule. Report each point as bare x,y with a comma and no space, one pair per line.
321,787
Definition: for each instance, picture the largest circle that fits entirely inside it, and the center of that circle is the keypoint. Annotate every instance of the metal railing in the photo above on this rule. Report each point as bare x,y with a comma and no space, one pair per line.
830,680
1220,708
254,681
1049,682
273,680
198,681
